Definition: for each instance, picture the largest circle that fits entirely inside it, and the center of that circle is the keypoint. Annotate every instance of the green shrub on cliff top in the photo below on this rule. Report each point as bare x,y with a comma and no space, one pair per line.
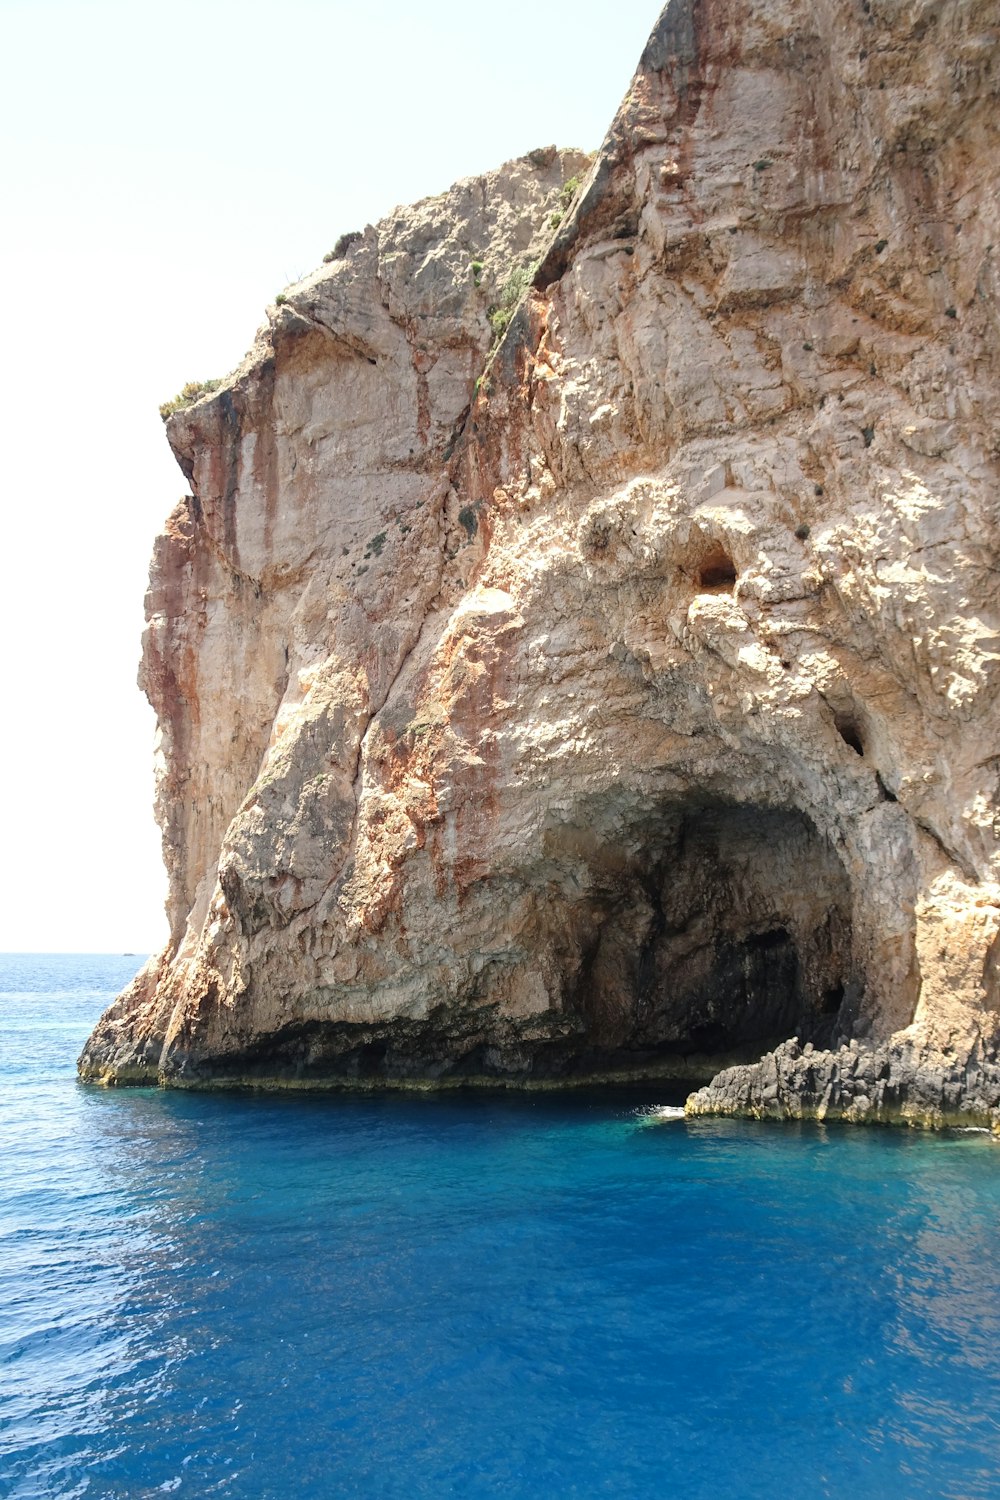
188,395
342,246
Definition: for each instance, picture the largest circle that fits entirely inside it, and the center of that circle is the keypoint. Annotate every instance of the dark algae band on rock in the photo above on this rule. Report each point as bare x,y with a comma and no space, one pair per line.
577,656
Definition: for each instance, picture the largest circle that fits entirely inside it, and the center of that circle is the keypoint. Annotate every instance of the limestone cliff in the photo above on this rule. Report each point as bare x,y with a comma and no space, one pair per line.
624,699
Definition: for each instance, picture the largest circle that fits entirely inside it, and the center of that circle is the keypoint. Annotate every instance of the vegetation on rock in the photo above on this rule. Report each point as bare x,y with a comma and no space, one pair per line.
342,246
188,395
511,293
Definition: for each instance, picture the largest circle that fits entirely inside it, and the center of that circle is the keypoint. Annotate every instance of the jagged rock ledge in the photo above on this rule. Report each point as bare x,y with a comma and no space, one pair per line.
898,1083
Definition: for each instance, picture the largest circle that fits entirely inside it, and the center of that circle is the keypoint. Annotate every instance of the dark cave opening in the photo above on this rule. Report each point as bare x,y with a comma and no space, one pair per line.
720,929
833,999
716,571
850,732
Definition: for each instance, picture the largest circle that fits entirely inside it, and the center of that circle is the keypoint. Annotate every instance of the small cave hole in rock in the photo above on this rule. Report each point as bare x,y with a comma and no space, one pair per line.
833,999
716,571
850,732
707,934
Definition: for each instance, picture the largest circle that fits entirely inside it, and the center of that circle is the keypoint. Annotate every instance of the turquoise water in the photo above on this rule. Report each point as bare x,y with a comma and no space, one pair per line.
474,1295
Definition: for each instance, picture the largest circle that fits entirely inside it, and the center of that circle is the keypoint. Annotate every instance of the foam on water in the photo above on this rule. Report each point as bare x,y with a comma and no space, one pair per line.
656,1114
475,1295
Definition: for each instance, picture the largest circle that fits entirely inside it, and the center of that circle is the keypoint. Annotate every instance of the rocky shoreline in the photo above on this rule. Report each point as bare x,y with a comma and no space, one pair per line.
897,1083
900,1082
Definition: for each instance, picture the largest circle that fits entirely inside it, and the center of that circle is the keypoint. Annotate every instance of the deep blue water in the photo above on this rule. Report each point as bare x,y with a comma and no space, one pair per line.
477,1295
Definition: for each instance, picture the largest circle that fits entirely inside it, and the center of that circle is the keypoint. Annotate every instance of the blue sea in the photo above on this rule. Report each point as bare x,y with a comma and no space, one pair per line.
476,1294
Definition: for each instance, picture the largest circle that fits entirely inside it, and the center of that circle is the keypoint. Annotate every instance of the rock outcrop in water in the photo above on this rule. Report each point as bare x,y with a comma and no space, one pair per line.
624,700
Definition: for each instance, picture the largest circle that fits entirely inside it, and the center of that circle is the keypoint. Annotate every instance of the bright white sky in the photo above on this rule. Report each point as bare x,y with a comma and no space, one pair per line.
164,171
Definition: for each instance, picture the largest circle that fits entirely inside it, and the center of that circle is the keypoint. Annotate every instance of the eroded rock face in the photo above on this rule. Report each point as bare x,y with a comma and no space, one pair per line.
624,700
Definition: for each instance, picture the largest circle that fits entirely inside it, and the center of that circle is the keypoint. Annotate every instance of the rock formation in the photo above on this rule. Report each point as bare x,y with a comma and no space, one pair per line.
622,699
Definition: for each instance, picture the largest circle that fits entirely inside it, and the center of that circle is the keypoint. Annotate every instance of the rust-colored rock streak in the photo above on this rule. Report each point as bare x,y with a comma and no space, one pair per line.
623,701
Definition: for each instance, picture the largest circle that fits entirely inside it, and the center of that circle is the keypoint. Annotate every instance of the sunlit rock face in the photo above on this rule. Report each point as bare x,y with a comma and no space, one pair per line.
623,700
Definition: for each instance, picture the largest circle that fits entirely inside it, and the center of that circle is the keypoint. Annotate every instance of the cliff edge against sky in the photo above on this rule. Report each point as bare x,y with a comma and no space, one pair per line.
622,701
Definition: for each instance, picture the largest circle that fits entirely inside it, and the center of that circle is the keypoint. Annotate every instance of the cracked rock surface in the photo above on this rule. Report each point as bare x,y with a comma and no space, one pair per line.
622,700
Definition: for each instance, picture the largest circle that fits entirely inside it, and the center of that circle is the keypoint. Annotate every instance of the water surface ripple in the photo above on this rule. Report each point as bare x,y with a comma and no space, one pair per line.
474,1295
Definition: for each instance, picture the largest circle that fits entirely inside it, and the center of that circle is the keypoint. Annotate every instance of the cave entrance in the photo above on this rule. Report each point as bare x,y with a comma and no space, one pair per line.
717,571
714,930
